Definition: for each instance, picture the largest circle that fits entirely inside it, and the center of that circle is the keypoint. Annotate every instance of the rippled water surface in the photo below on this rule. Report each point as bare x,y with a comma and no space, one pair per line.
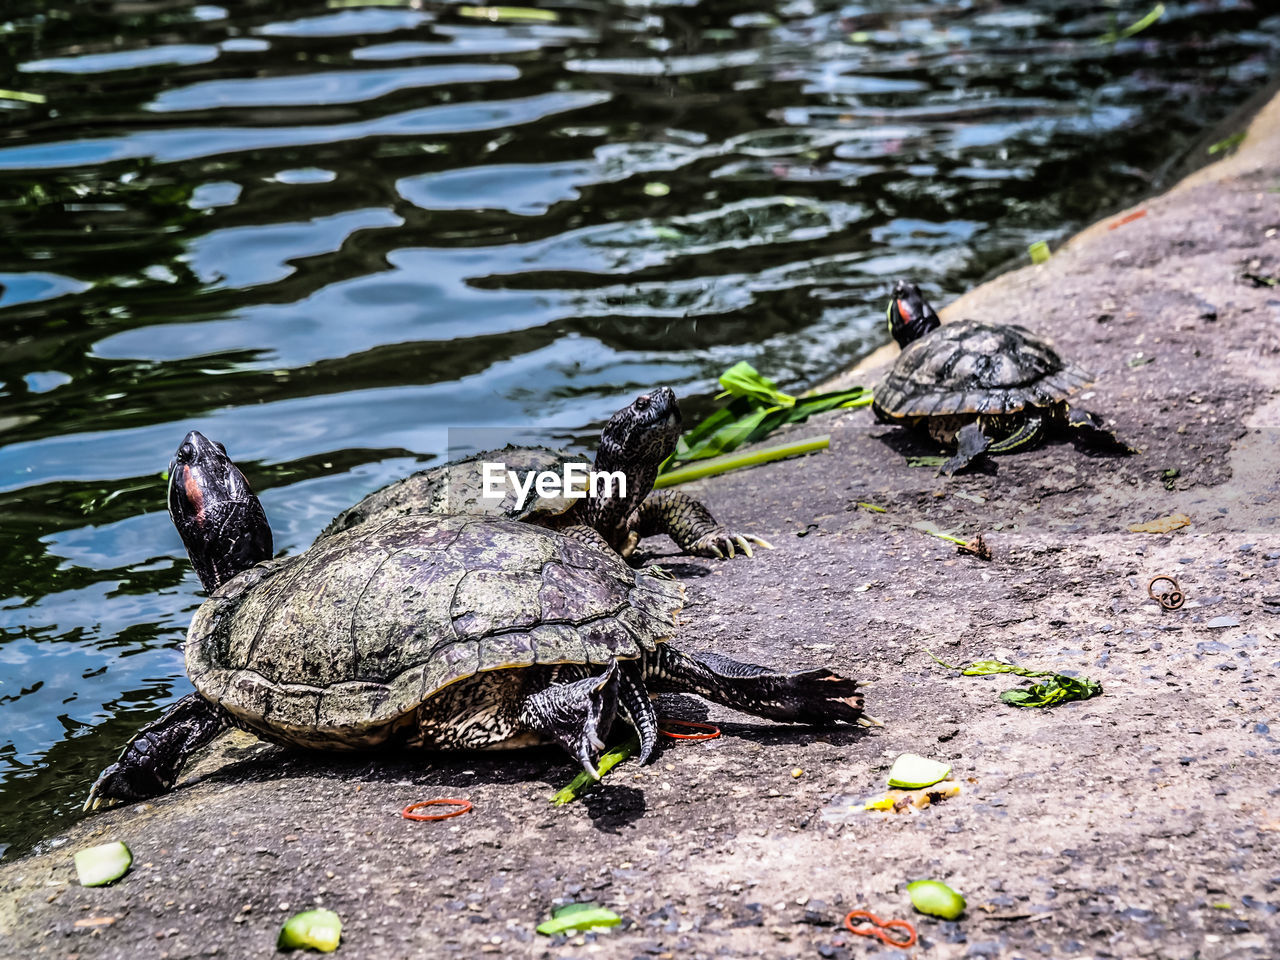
326,233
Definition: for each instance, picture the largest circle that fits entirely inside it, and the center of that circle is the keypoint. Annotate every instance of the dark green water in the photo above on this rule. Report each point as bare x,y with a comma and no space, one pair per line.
325,234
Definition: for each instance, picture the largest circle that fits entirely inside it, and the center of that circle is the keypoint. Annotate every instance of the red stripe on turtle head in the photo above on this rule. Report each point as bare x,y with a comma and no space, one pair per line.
195,495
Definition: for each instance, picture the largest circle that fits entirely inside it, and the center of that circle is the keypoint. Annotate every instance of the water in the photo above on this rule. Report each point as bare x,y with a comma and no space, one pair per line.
326,234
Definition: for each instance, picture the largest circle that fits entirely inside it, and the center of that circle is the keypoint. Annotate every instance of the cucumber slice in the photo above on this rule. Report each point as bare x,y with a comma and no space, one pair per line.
574,917
311,930
911,772
935,899
100,865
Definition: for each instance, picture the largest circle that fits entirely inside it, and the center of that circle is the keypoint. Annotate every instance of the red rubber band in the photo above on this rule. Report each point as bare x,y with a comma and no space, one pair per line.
692,724
463,806
879,928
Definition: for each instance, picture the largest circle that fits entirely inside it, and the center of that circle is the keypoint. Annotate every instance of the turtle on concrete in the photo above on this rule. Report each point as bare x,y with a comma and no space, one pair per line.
982,387
634,443
440,632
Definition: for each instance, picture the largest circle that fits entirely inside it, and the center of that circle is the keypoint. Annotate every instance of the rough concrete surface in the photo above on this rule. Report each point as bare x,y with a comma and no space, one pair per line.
1143,823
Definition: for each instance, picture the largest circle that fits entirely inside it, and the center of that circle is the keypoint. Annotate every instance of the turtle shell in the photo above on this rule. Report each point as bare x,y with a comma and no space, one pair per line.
974,367
457,487
338,646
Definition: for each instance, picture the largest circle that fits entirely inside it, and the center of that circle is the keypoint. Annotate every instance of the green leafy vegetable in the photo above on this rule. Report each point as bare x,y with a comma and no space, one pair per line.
936,899
103,864
608,760
574,917
757,409
743,380
313,930
1059,688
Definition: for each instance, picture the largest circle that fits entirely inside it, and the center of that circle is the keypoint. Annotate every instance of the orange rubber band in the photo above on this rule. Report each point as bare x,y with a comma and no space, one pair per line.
464,806
692,724
1128,218
880,928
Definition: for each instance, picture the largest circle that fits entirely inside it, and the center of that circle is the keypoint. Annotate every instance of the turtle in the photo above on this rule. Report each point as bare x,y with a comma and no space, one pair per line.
427,631
635,442
982,387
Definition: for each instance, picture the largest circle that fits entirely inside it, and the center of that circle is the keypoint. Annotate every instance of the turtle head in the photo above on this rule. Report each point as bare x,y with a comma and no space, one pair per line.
910,316
220,520
634,443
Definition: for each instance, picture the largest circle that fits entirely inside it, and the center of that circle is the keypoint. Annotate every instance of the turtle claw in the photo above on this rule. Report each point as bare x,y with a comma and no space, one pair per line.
723,544
869,722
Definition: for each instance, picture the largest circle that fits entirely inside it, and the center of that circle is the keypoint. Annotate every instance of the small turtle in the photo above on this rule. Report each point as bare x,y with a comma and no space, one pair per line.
634,443
427,631
984,387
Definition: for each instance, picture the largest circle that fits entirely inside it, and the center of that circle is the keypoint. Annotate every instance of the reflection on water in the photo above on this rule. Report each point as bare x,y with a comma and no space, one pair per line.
327,233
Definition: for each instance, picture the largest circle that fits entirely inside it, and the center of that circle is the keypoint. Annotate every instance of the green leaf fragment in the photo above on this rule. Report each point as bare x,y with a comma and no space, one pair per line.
1039,251
1227,143
311,930
1059,688
576,917
912,772
1152,16
936,899
102,864
926,461
608,760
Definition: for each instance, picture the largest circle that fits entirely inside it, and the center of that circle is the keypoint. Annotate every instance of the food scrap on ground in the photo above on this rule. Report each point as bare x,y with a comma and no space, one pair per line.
1057,689
576,917
1175,521
103,864
911,772
319,930
936,899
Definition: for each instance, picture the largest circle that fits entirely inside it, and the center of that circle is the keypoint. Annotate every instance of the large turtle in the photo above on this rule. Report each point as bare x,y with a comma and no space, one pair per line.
426,631
984,387
635,442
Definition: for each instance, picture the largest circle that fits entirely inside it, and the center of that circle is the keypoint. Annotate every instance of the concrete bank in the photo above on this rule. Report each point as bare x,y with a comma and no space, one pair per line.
1143,823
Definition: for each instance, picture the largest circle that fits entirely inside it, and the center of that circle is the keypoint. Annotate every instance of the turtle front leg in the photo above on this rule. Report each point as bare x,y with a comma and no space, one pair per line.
588,535
577,715
691,525
637,706
151,761
810,696
970,442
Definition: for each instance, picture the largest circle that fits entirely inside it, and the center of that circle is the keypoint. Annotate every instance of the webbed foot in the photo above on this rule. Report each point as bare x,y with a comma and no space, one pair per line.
577,715
816,697
151,762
